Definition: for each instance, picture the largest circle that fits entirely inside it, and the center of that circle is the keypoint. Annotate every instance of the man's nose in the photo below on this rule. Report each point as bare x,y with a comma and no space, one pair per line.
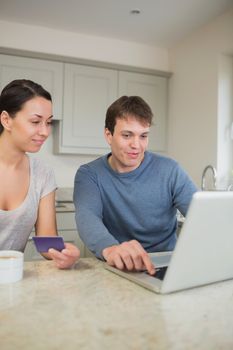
135,142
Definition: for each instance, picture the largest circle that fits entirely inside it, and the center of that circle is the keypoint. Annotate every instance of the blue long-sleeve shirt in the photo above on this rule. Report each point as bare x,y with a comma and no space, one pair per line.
114,207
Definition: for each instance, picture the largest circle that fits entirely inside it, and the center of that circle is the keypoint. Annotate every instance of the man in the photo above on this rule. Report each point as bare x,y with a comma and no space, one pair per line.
126,201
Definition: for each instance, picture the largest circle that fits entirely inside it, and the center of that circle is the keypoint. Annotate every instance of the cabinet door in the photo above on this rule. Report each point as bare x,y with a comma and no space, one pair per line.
88,91
49,74
153,90
30,252
66,226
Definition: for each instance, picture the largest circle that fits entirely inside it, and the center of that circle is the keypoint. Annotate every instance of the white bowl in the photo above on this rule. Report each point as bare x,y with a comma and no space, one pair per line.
11,266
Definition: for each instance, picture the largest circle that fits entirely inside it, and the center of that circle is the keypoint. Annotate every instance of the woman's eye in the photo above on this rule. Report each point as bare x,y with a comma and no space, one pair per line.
49,123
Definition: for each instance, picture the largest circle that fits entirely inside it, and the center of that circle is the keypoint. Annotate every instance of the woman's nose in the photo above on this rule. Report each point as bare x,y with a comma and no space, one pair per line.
44,129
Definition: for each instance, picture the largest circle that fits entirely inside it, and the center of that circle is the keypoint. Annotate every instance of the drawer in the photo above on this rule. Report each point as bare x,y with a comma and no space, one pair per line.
66,221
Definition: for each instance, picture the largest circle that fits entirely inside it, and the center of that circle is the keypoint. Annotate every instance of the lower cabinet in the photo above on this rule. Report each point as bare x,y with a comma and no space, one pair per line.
67,229
30,252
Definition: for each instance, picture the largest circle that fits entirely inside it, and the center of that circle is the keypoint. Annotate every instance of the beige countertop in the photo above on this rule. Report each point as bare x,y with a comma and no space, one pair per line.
89,307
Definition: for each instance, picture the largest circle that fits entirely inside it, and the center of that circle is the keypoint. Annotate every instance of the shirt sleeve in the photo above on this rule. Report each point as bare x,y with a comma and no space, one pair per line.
49,183
183,189
44,178
89,213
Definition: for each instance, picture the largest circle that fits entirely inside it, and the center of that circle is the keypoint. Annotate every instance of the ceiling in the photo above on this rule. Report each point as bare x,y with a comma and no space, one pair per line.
161,23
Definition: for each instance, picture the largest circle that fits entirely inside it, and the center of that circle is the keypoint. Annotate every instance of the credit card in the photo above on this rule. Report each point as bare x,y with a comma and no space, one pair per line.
44,243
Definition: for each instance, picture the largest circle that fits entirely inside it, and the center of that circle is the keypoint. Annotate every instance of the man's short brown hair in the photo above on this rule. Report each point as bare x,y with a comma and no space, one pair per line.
127,106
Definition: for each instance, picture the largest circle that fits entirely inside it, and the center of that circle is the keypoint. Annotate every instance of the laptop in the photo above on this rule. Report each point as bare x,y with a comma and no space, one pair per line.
203,252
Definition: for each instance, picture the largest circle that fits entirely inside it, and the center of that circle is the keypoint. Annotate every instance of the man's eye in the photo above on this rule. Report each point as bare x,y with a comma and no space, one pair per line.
144,136
126,135
35,122
50,122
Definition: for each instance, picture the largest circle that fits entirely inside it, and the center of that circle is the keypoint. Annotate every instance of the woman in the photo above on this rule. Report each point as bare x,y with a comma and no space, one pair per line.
27,186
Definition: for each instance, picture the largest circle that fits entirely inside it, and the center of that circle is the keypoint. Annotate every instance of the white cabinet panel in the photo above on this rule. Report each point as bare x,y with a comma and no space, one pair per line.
67,229
81,95
30,252
153,90
47,73
88,91
70,236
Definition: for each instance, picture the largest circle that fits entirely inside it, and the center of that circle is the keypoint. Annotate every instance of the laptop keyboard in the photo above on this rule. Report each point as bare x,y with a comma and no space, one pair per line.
160,272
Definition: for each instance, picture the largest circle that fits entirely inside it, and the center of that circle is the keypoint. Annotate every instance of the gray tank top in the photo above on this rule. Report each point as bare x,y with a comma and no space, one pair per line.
16,225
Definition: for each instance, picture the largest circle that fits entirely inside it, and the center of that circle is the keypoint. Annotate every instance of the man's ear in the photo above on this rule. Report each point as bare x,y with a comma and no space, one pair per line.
6,120
108,136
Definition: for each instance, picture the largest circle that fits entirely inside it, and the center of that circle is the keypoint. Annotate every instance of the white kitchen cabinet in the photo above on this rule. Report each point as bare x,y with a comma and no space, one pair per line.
47,73
153,90
66,228
30,252
81,94
88,91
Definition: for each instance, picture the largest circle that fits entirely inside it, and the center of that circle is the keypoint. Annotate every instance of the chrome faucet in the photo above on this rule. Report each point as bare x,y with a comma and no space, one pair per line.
214,172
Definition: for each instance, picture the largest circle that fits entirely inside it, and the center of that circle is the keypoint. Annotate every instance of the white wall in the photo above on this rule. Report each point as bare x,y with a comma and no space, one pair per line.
194,113
44,40
225,121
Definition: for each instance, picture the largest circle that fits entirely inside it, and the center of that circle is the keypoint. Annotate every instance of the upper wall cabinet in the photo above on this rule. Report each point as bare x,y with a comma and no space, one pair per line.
47,73
88,91
81,94
153,90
